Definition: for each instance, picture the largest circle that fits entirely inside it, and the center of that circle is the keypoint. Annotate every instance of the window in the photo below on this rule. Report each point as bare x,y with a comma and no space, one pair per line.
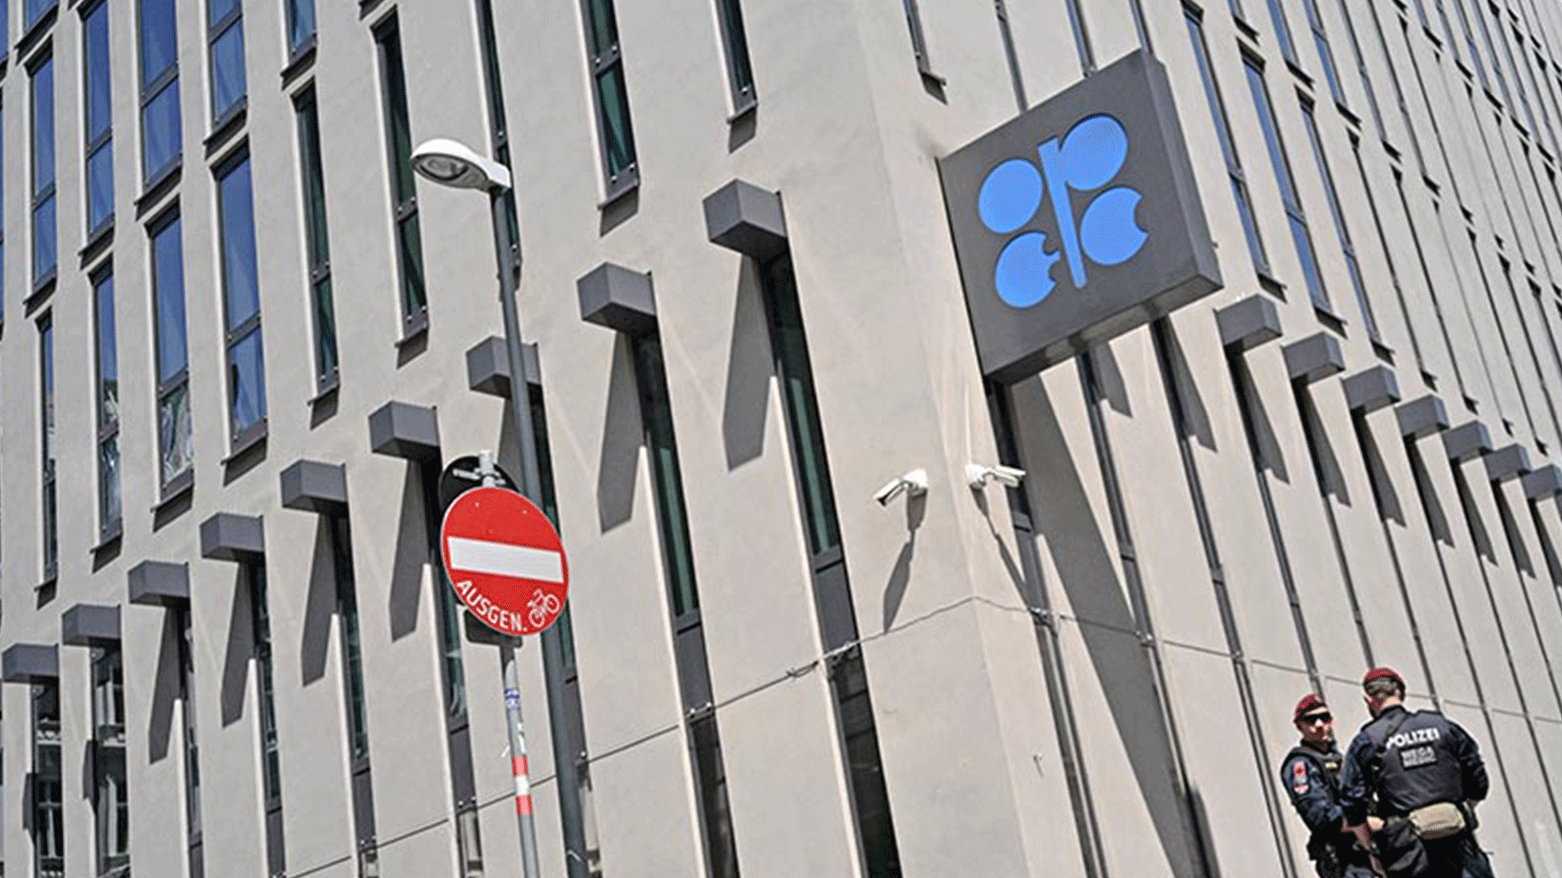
1228,147
160,119
1288,196
1282,32
241,303
832,588
226,33
51,536
614,130
740,73
352,653
111,795
703,739
109,498
1352,267
44,231
1325,55
398,137
918,37
35,10
175,448
300,24
270,756
668,479
48,782
192,750
318,239
99,121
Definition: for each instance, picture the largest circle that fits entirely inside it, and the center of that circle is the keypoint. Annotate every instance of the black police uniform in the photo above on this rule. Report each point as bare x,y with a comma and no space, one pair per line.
1406,760
1312,778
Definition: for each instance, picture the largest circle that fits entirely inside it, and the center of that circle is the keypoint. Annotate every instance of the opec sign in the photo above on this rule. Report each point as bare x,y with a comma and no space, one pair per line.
1078,220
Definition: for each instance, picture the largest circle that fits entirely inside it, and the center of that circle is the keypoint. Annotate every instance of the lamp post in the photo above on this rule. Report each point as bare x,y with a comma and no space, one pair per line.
454,164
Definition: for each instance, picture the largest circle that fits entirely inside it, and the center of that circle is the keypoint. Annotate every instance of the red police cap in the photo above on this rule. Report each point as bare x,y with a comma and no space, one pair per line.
1310,702
1383,673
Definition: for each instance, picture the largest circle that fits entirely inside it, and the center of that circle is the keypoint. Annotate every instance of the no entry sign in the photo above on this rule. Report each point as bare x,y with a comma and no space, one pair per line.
504,560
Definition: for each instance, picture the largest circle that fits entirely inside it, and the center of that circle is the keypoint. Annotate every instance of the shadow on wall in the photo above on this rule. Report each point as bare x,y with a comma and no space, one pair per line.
1389,505
1097,599
749,368
1325,463
165,690
621,440
319,606
900,574
1195,416
241,645
412,552
1266,446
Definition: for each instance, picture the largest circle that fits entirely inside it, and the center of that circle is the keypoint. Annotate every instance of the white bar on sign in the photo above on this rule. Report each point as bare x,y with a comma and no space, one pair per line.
503,559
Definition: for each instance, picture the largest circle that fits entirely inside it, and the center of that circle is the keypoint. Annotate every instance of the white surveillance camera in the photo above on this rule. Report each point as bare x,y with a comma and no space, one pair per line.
912,483
977,476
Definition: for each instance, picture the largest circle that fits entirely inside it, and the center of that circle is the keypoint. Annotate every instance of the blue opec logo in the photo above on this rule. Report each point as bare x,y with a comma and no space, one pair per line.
1105,232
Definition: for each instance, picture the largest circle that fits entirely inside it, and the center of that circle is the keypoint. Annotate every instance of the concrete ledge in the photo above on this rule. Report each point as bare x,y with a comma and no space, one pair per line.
1543,483
1508,462
1370,390
159,584
619,299
1316,356
743,217
488,367
1467,441
1249,323
90,625
30,663
1421,417
229,537
313,486
403,430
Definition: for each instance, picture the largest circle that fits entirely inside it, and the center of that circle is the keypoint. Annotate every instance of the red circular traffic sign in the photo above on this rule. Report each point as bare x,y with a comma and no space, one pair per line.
504,560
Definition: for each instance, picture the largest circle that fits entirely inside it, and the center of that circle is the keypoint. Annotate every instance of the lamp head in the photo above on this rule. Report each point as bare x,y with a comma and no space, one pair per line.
454,164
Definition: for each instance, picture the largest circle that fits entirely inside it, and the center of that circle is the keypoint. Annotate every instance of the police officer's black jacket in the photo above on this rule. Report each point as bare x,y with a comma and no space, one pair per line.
1312,778
1410,760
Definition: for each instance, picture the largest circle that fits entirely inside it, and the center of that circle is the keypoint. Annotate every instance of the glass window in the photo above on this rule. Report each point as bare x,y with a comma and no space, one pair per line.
227,58
109,505
918,37
318,239
175,448
44,232
35,10
665,474
1217,110
352,652
51,547
48,783
715,810
398,136
300,23
111,799
160,117
99,149
1282,170
241,301
1347,249
733,38
612,98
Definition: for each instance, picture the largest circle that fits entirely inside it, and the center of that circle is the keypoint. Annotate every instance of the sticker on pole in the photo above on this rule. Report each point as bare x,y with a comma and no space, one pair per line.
504,560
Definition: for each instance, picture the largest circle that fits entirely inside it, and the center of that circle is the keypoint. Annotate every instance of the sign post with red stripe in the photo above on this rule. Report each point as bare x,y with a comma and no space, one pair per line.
507,565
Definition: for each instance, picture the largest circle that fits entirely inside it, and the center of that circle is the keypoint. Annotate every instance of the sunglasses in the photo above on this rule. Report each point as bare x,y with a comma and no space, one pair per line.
1318,718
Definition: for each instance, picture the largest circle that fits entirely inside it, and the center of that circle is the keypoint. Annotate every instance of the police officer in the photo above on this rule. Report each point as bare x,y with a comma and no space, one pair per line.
1311,775
1424,774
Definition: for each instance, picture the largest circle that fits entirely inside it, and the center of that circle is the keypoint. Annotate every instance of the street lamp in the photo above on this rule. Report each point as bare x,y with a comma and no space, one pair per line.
456,165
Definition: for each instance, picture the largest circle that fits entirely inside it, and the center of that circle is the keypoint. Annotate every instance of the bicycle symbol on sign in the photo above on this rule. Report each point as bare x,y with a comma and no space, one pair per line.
540,607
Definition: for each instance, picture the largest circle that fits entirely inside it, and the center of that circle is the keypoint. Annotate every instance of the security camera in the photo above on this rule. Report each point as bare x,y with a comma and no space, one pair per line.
977,476
912,483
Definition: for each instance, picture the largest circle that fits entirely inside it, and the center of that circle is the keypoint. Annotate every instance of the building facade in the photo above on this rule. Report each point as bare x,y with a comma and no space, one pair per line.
242,338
